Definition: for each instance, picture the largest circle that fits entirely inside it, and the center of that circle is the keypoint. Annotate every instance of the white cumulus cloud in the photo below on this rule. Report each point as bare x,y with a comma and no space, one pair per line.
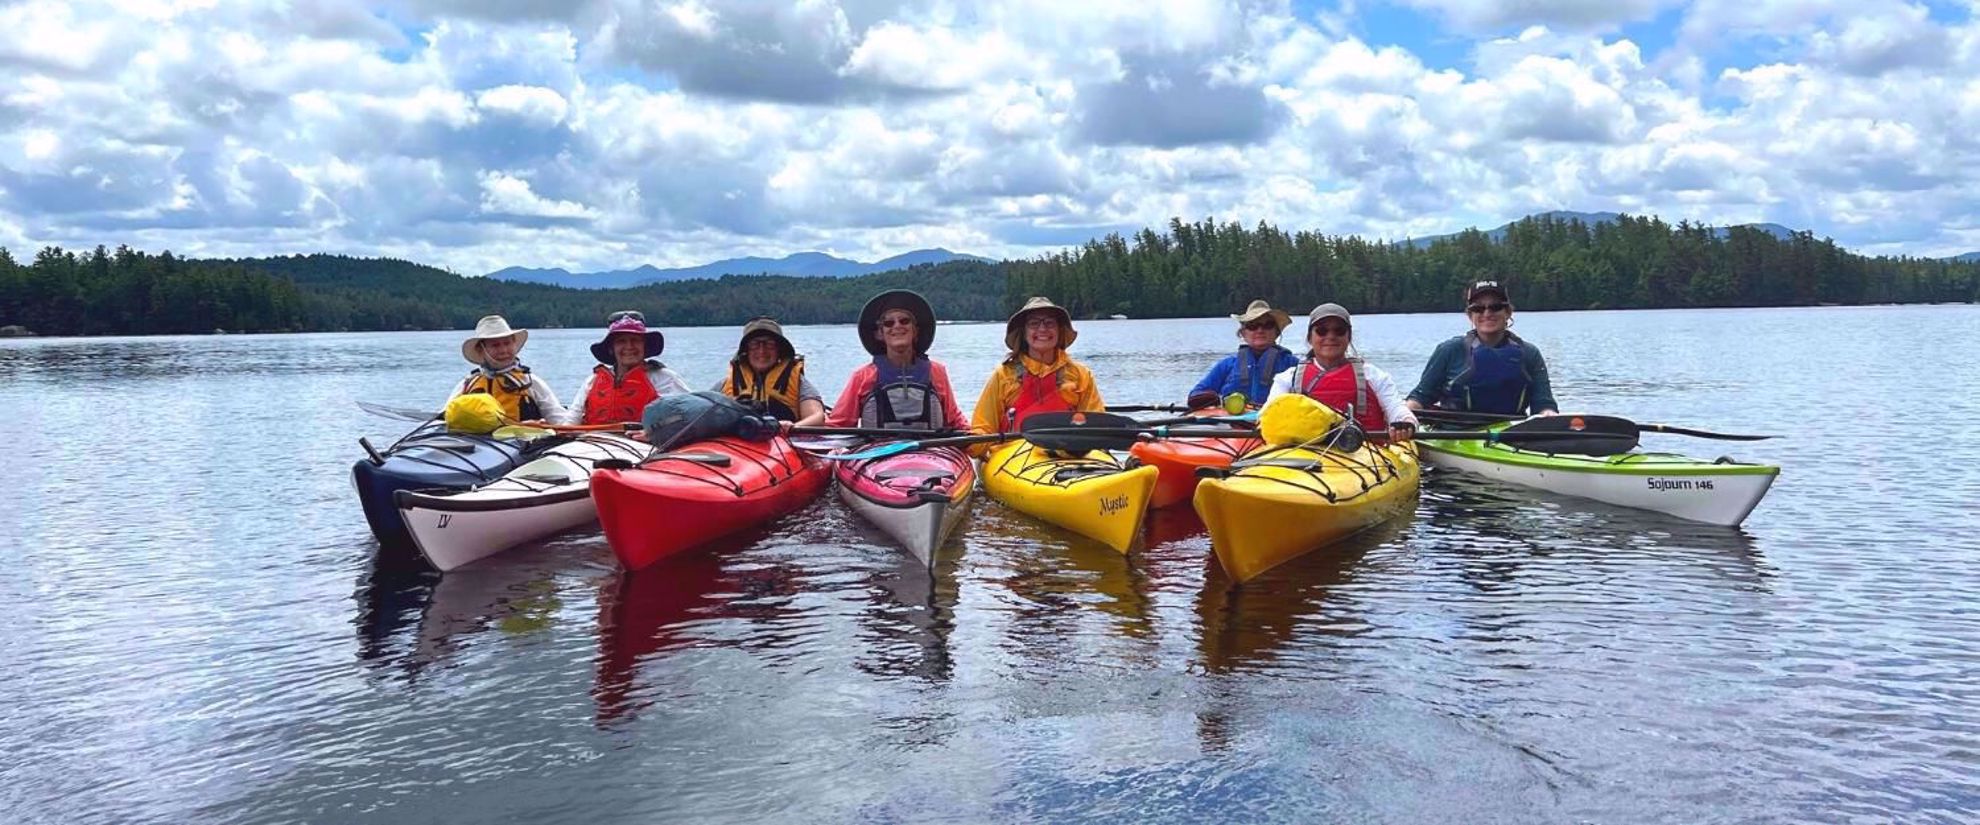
610,133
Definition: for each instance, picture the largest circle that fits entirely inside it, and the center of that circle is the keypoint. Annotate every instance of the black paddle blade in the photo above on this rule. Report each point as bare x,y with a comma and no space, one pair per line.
1073,441
1608,435
1069,420
1060,431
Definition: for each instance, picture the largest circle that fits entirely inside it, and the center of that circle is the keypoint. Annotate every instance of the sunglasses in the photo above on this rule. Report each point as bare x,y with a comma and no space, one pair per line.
1330,329
1047,322
1481,309
622,315
895,321
1255,326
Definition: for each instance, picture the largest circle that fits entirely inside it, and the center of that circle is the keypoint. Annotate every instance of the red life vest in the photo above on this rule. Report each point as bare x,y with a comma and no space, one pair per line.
1342,387
617,401
1036,394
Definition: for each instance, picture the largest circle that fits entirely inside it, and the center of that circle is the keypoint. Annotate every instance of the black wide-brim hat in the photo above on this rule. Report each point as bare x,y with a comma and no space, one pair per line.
902,299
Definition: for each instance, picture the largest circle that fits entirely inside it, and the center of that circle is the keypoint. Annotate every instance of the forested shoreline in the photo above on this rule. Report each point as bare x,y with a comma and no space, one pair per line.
1193,269
1197,269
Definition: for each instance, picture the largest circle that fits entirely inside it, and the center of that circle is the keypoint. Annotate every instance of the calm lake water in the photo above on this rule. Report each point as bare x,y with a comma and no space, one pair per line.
201,628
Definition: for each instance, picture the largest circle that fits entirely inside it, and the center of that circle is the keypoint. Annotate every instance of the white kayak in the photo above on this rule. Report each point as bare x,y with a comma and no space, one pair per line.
549,494
1721,491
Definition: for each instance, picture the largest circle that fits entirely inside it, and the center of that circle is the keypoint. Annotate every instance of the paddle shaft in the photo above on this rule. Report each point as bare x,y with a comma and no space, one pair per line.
874,432
1617,423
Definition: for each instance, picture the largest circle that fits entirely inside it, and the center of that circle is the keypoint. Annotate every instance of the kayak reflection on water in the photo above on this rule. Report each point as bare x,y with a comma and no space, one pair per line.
673,606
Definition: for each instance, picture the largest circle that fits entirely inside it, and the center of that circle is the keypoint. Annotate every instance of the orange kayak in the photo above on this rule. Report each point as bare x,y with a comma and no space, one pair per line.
1175,461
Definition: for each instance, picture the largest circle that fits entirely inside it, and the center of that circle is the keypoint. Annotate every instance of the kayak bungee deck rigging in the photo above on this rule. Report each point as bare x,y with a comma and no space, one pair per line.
548,494
1278,503
683,498
428,458
1720,491
1093,494
916,498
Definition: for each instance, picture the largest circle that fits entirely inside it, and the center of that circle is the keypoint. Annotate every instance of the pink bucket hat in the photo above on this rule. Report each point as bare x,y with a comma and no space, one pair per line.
633,322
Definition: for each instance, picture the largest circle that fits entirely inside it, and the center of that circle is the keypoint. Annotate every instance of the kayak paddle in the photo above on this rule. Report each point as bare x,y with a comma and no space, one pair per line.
874,432
1080,432
400,413
898,447
710,459
1604,423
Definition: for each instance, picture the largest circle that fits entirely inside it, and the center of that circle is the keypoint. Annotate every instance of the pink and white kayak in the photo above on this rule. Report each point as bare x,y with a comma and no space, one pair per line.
549,494
916,498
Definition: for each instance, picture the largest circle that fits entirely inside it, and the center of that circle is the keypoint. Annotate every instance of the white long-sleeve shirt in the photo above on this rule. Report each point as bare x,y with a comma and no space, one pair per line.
664,379
1379,383
539,391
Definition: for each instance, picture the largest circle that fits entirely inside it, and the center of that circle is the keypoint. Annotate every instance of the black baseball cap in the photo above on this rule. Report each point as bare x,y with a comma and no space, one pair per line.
1483,287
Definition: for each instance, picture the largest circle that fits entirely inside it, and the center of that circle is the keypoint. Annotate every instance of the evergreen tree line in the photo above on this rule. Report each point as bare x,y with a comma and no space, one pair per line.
127,292
1194,269
1198,269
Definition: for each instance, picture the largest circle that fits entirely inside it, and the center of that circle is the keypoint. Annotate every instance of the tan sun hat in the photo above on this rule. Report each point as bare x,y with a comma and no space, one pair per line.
490,327
1260,309
1014,328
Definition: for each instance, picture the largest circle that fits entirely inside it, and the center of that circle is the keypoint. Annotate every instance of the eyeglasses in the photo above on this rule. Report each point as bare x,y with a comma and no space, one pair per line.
1324,330
1255,326
1046,322
1481,309
761,341
892,321
624,314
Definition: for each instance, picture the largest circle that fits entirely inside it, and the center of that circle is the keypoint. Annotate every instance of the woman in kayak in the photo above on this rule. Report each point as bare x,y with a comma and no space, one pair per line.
902,388
1488,369
1038,376
1243,379
1352,387
767,375
629,374
492,349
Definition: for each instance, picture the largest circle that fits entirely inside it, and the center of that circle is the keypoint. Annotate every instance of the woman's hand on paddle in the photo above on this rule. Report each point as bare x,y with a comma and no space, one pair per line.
1399,433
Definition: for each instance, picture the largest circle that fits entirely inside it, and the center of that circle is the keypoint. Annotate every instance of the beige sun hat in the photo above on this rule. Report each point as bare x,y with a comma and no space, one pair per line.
1014,328
490,327
1260,309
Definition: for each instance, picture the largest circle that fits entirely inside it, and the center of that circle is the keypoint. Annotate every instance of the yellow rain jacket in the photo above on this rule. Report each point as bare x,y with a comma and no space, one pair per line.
996,406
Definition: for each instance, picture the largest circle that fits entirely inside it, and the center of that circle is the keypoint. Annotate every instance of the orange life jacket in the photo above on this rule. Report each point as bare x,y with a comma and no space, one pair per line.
614,400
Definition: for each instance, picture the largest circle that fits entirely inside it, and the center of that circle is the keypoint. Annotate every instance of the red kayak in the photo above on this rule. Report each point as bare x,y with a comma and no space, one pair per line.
700,492
1175,461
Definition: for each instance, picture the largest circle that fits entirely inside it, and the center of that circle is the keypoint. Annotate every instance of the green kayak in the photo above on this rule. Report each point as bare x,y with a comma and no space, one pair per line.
1721,491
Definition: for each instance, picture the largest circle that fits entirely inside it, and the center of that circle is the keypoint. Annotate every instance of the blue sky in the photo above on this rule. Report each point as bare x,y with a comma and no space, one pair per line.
603,134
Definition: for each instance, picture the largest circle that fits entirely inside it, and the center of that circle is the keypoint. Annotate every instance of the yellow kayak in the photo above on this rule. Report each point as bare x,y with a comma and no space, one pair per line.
1283,502
1092,494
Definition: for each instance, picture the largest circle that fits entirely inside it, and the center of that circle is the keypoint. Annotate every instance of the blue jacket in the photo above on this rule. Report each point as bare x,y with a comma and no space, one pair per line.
1444,377
1247,372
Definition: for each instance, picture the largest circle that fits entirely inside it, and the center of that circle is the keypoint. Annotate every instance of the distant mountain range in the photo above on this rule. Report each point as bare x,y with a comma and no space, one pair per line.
802,264
1592,218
